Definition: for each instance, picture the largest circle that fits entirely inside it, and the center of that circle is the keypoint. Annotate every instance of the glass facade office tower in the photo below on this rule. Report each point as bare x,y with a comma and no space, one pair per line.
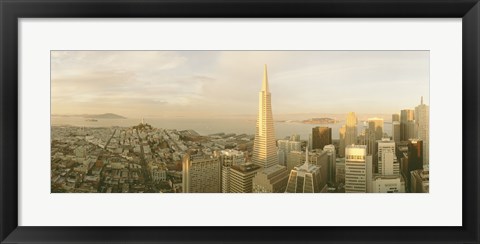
407,124
351,129
321,136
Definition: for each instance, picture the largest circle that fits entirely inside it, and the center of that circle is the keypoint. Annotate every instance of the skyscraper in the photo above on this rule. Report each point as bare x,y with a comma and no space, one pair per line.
355,168
294,158
320,158
304,178
264,149
341,146
407,124
285,147
351,129
229,158
272,177
241,176
395,117
375,132
415,154
414,160
396,131
422,122
332,160
387,159
321,136
201,173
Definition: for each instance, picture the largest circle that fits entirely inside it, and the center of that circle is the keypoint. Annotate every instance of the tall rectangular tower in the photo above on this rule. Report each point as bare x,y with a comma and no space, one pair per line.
375,132
201,173
355,168
351,129
407,124
321,136
387,159
422,122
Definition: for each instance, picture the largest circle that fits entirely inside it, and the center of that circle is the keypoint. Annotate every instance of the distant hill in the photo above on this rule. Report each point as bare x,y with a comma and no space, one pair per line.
91,116
319,121
103,116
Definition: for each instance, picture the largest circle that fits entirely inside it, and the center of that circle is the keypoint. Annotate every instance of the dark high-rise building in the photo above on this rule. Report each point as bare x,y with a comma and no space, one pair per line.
321,136
396,131
414,160
415,154
407,124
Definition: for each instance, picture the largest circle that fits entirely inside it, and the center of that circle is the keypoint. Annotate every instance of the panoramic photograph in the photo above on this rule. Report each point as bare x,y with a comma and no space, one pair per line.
239,121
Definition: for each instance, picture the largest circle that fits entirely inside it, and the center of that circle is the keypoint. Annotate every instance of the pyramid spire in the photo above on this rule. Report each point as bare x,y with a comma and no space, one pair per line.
265,79
421,100
264,146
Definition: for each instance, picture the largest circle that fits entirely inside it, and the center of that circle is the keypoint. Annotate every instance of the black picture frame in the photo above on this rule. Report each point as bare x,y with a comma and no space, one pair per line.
12,10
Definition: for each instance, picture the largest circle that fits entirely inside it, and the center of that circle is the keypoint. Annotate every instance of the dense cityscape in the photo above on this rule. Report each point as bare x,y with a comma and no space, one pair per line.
144,159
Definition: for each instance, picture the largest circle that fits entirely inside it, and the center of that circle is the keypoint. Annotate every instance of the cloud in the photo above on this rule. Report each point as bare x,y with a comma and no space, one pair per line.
228,82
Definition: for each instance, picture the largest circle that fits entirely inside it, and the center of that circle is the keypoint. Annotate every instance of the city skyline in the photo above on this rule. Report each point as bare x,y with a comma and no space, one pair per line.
144,158
215,83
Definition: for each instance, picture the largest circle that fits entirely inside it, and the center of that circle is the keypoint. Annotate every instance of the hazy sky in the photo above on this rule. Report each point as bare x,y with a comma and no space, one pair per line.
214,83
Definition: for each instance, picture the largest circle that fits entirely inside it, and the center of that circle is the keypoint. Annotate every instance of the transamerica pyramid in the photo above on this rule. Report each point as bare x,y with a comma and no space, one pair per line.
264,147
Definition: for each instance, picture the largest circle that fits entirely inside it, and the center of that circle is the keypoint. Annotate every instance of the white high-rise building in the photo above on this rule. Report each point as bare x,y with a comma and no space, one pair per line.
355,168
422,125
387,159
273,177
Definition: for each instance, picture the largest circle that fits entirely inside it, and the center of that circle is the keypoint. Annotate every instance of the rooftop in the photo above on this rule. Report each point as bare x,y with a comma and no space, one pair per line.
246,167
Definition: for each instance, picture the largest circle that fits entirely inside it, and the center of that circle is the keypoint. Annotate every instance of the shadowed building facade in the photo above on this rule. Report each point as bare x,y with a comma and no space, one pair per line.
241,176
321,136
407,124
